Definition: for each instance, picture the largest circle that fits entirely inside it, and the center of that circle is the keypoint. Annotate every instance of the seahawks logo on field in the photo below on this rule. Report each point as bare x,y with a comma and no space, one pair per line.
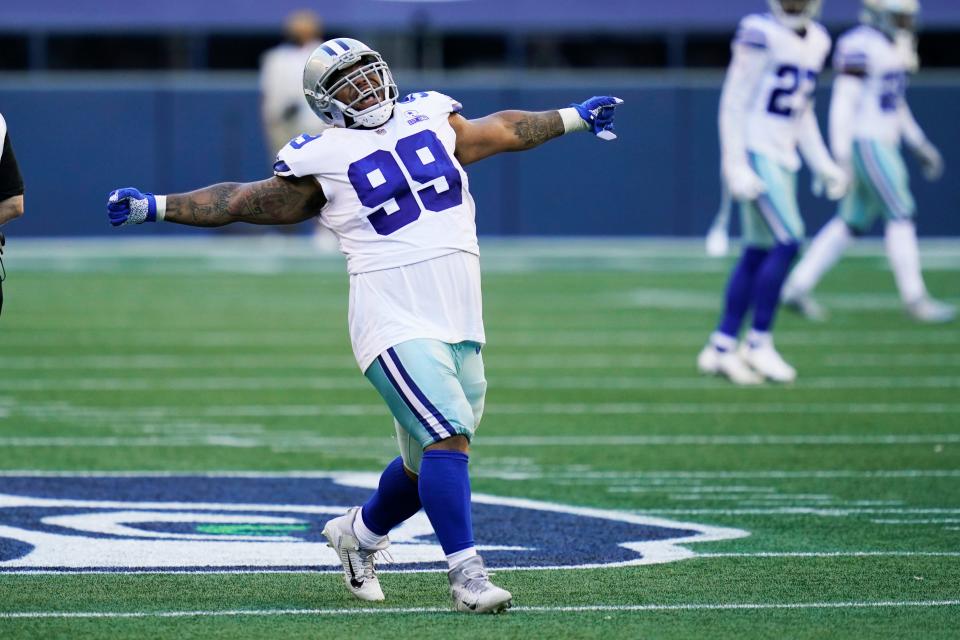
263,522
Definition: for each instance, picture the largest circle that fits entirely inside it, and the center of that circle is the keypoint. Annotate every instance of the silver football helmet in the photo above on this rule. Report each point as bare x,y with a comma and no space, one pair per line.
795,14
891,16
363,98
898,20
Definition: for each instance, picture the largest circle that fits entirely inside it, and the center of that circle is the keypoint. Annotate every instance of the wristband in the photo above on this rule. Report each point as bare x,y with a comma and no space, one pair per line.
572,120
161,207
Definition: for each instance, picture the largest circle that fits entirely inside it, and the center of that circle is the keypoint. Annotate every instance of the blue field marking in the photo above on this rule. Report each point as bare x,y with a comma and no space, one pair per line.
187,523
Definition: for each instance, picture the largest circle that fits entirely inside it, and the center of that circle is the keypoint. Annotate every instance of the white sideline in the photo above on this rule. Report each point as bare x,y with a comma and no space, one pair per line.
421,610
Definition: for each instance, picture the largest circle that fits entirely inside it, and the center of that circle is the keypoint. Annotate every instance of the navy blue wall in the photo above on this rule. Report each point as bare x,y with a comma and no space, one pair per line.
75,141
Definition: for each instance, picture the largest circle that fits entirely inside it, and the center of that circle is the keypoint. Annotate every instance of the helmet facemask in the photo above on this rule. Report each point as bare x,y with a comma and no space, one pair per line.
340,97
795,14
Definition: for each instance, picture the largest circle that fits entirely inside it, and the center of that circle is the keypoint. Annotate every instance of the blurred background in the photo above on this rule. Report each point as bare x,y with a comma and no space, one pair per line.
167,97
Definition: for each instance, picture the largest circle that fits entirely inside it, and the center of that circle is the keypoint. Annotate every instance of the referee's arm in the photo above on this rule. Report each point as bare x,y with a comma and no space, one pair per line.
11,182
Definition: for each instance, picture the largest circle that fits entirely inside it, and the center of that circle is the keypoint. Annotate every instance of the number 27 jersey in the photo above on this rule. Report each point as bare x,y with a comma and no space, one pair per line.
785,91
396,195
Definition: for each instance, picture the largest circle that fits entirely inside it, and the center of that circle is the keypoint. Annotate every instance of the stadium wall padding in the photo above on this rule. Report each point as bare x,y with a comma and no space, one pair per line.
76,139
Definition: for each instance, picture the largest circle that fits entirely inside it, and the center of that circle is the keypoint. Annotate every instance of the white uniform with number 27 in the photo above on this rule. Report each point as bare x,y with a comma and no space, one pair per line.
784,67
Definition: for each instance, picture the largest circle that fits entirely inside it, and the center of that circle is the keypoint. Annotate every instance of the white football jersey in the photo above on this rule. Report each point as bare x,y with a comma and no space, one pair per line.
396,195
786,89
866,52
400,205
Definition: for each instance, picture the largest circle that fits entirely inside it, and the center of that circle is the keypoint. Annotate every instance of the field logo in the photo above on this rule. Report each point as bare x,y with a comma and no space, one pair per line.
272,522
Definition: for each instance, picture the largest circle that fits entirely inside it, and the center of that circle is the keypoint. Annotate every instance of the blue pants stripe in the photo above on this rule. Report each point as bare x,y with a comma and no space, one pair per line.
768,209
878,176
410,405
418,393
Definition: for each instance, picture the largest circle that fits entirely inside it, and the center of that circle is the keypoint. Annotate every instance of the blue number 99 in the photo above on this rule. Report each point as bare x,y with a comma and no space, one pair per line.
380,183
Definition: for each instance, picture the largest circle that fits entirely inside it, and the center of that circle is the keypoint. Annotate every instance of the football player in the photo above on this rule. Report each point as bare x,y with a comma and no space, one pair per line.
869,117
11,192
388,179
718,237
766,113
11,182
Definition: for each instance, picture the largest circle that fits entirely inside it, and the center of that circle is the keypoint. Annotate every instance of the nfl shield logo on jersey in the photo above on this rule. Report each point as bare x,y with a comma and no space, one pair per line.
413,117
259,522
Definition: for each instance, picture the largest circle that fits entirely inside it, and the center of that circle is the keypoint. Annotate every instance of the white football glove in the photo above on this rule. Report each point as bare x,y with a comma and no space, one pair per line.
835,181
743,183
930,161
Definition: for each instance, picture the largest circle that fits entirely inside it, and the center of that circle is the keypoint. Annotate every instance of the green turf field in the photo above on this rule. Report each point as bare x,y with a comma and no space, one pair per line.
233,356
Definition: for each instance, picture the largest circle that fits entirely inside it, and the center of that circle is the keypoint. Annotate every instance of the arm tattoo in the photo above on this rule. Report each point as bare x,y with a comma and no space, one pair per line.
536,128
272,201
202,208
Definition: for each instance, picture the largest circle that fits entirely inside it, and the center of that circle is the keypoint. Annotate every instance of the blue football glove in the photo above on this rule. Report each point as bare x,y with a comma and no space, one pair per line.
597,112
129,206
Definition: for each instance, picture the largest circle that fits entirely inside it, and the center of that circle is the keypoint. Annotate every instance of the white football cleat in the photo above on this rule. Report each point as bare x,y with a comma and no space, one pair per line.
359,570
472,591
718,242
764,359
806,306
931,311
727,364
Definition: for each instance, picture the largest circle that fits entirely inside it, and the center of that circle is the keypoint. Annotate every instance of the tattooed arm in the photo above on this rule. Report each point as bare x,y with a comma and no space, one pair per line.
521,130
503,131
274,201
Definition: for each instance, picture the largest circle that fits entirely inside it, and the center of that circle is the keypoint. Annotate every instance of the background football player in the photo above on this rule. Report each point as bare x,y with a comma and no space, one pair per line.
388,179
869,117
766,112
11,192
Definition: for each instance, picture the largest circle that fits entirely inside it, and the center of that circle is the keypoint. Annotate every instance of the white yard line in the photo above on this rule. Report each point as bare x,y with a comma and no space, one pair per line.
76,413
829,512
620,477
547,337
834,554
936,521
575,476
305,441
339,383
505,361
881,604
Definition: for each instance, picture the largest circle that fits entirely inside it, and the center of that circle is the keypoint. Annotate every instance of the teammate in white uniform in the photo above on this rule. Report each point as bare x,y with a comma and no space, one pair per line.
388,179
869,116
11,192
766,113
282,109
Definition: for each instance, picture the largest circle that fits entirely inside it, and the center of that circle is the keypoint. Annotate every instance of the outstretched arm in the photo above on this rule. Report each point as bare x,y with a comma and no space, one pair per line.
522,130
275,201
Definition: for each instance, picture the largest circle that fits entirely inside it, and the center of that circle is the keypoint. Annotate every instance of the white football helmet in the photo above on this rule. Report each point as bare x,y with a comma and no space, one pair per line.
897,19
891,16
324,79
795,14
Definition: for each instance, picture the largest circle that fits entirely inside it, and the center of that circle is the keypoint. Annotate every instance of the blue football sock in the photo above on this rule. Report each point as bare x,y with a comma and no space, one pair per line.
396,499
445,494
768,282
739,290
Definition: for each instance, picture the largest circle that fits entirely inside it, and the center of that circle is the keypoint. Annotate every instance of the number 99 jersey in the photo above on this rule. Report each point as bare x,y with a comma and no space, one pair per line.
396,195
785,90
